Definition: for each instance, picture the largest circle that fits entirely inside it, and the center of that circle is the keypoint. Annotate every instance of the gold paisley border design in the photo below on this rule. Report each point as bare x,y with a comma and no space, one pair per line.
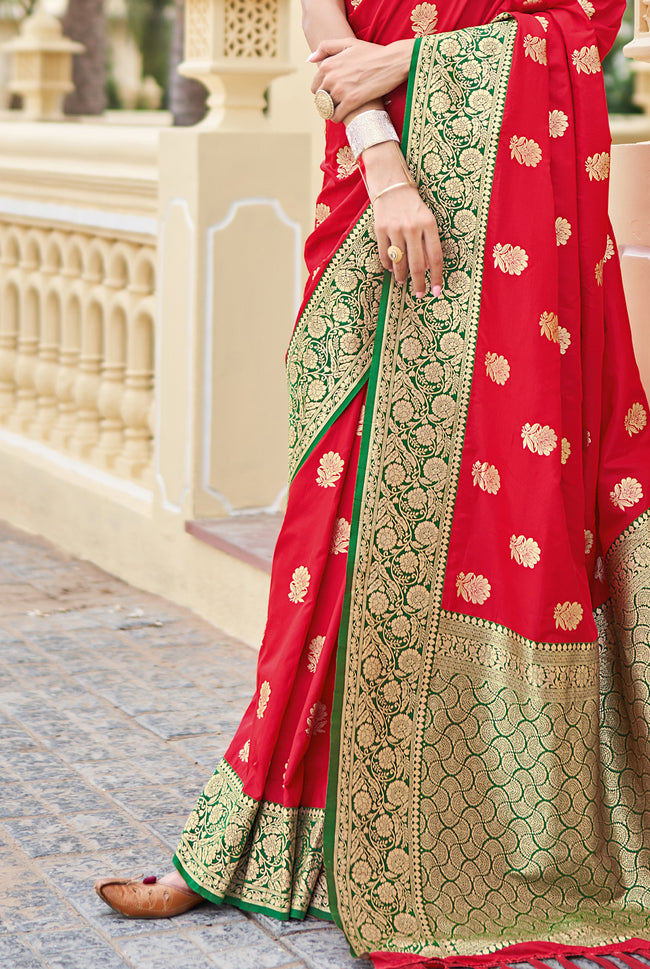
411,450
257,854
331,348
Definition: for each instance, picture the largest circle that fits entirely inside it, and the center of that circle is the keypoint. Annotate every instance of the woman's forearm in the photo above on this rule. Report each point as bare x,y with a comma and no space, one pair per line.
324,20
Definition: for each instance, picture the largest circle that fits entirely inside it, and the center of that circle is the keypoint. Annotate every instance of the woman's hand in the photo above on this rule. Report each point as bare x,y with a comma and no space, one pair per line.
356,73
402,219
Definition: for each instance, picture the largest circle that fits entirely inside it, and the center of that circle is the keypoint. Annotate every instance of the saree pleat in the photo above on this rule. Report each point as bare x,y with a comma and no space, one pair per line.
459,617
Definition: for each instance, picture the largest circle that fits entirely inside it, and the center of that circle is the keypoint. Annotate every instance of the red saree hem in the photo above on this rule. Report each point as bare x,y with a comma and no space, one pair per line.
532,953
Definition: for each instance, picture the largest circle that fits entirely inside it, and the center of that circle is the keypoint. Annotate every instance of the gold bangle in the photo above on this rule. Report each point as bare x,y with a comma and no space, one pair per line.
390,188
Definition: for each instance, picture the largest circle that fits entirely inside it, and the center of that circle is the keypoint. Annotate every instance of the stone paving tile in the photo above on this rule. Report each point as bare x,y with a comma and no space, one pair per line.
76,950
115,708
170,950
325,950
17,954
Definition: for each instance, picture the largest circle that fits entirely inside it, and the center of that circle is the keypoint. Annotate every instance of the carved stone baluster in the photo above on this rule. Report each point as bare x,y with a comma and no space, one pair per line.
8,324
88,380
28,339
136,404
111,393
48,365
67,372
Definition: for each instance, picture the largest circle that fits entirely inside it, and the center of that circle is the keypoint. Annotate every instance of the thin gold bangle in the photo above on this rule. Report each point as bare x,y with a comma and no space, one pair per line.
390,188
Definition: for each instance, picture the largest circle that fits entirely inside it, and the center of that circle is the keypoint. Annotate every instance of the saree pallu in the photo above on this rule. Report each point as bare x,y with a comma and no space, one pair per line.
459,617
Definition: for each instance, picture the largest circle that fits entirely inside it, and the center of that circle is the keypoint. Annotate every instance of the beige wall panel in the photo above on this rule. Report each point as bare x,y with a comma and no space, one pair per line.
636,278
174,355
629,194
253,259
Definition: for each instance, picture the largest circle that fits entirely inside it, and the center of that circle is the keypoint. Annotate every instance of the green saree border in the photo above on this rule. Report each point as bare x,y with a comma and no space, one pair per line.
260,856
330,350
427,96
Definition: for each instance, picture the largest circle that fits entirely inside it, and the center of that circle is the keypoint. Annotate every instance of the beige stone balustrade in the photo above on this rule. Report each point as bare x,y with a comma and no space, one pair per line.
76,346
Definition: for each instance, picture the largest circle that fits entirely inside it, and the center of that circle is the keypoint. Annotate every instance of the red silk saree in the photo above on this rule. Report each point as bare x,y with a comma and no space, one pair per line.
447,750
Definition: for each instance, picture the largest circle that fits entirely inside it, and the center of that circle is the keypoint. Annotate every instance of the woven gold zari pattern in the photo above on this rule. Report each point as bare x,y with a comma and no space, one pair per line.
331,347
264,855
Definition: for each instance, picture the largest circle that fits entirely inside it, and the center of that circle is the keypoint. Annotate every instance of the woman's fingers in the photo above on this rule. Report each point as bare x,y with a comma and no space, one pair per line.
433,253
327,48
417,262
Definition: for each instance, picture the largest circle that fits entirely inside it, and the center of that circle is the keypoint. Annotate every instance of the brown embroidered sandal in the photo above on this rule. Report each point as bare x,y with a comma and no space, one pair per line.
146,898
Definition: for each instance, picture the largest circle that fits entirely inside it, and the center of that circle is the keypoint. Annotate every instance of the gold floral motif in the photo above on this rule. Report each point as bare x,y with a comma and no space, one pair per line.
564,339
587,60
597,166
497,368
314,650
473,588
245,752
330,469
322,212
539,439
525,551
340,538
543,21
299,584
535,48
486,476
550,326
510,259
562,231
566,450
599,271
526,151
588,7
317,720
558,123
589,541
635,419
609,249
424,19
626,493
346,162
264,697
567,615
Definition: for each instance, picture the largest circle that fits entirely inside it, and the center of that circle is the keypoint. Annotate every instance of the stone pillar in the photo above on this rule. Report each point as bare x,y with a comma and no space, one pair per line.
630,211
234,210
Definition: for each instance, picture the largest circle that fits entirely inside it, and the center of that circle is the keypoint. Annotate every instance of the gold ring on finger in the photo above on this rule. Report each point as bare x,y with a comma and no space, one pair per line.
324,104
395,254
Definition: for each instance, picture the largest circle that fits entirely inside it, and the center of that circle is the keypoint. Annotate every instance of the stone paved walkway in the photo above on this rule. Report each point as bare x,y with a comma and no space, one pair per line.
114,709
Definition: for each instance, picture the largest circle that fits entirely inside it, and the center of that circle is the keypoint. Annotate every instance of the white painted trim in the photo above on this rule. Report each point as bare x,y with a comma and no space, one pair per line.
84,471
209,343
167,503
88,218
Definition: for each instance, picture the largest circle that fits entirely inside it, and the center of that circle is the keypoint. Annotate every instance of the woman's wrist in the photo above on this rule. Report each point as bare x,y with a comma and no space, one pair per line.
383,165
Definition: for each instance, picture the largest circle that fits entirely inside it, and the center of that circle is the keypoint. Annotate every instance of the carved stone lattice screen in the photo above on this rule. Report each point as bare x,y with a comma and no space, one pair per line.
251,28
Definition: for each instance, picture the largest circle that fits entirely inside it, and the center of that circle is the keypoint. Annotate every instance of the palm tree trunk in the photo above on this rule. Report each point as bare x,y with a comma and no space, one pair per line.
186,96
84,21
